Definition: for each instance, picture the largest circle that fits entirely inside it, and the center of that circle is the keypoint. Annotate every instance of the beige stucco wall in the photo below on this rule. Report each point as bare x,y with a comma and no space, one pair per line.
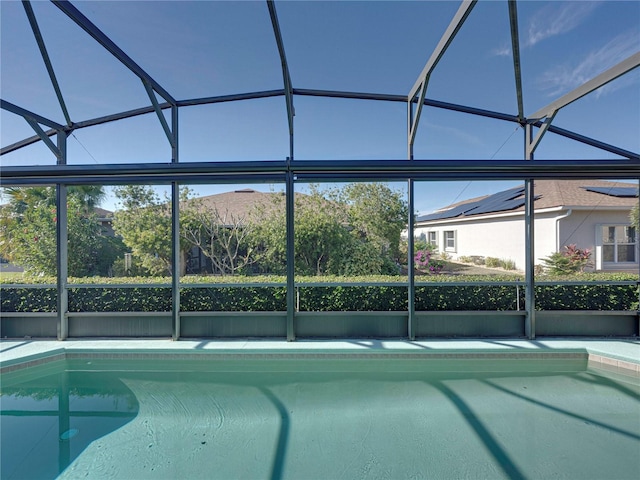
582,228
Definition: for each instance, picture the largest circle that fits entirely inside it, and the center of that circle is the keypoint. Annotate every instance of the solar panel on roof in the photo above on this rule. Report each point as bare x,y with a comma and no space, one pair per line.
503,207
498,202
621,192
451,213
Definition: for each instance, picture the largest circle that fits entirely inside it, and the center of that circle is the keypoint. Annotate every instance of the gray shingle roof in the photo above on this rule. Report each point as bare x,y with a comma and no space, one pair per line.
239,204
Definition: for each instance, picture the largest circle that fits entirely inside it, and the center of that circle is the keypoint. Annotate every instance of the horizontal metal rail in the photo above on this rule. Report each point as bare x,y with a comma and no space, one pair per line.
458,169
315,93
586,282
329,284
350,284
234,285
314,170
122,285
508,283
191,313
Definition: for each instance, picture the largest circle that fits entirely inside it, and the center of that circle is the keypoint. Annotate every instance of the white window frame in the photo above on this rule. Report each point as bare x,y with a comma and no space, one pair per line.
432,238
445,241
600,244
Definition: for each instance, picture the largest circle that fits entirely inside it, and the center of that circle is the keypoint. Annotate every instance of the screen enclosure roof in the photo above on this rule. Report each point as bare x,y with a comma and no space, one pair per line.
439,83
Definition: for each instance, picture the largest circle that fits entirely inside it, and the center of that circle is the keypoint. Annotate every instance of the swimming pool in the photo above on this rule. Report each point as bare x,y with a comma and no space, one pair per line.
308,416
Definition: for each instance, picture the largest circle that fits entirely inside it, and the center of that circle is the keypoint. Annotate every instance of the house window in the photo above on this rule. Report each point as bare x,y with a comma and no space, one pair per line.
433,238
618,244
450,241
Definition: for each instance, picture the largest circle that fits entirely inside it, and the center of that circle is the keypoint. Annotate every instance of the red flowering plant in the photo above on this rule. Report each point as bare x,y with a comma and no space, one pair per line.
424,260
571,260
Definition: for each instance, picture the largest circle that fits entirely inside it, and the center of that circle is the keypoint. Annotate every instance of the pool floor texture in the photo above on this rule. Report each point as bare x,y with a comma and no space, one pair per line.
567,409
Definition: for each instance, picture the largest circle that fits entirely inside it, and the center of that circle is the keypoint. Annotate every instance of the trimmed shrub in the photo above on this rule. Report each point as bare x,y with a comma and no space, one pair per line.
468,297
29,299
600,293
233,299
136,299
353,299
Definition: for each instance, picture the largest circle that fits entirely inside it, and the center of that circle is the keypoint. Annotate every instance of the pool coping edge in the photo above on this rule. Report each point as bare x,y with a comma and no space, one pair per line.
594,358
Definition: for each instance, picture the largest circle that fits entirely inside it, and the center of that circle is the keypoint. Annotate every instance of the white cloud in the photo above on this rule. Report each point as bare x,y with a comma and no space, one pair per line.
459,134
503,51
566,77
556,19
551,20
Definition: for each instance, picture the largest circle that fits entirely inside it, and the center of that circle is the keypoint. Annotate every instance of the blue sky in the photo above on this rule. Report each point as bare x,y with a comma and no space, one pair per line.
211,48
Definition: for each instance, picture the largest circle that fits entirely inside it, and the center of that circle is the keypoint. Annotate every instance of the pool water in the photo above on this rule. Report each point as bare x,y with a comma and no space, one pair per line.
313,418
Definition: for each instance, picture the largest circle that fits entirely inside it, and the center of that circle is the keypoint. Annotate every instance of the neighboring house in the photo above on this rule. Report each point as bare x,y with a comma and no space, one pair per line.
105,218
238,205
233,210
592,214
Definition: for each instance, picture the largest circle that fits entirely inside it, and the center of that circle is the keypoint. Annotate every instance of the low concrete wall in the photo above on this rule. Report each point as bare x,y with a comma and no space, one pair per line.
586,324
323,324
121,324
469,324
351,324
27,324
233,324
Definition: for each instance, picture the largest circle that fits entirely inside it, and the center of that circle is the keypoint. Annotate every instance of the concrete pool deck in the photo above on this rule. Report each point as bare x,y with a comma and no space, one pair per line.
621,354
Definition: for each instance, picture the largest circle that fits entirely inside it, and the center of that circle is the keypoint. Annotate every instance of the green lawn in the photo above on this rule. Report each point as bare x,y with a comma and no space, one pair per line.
10,275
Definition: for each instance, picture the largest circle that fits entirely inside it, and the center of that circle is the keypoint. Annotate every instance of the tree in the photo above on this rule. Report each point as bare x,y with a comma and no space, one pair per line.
633,217
144,223
221,236
28,231
88,197
378,213
350,231
321,236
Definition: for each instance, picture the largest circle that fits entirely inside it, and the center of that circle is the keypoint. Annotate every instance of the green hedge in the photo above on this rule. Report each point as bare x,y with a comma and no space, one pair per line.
484,297
592,297
28,299
145,296
233,299
155,299
345,299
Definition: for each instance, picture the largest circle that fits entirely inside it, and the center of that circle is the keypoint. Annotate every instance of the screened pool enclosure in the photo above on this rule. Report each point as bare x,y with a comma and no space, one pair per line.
436,104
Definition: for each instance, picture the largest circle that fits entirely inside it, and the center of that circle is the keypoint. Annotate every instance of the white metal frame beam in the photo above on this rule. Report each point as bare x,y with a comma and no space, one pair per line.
515,47
98,35
34,120
420,86
44,137
595,83
163,121
45,57
548,112
288,87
